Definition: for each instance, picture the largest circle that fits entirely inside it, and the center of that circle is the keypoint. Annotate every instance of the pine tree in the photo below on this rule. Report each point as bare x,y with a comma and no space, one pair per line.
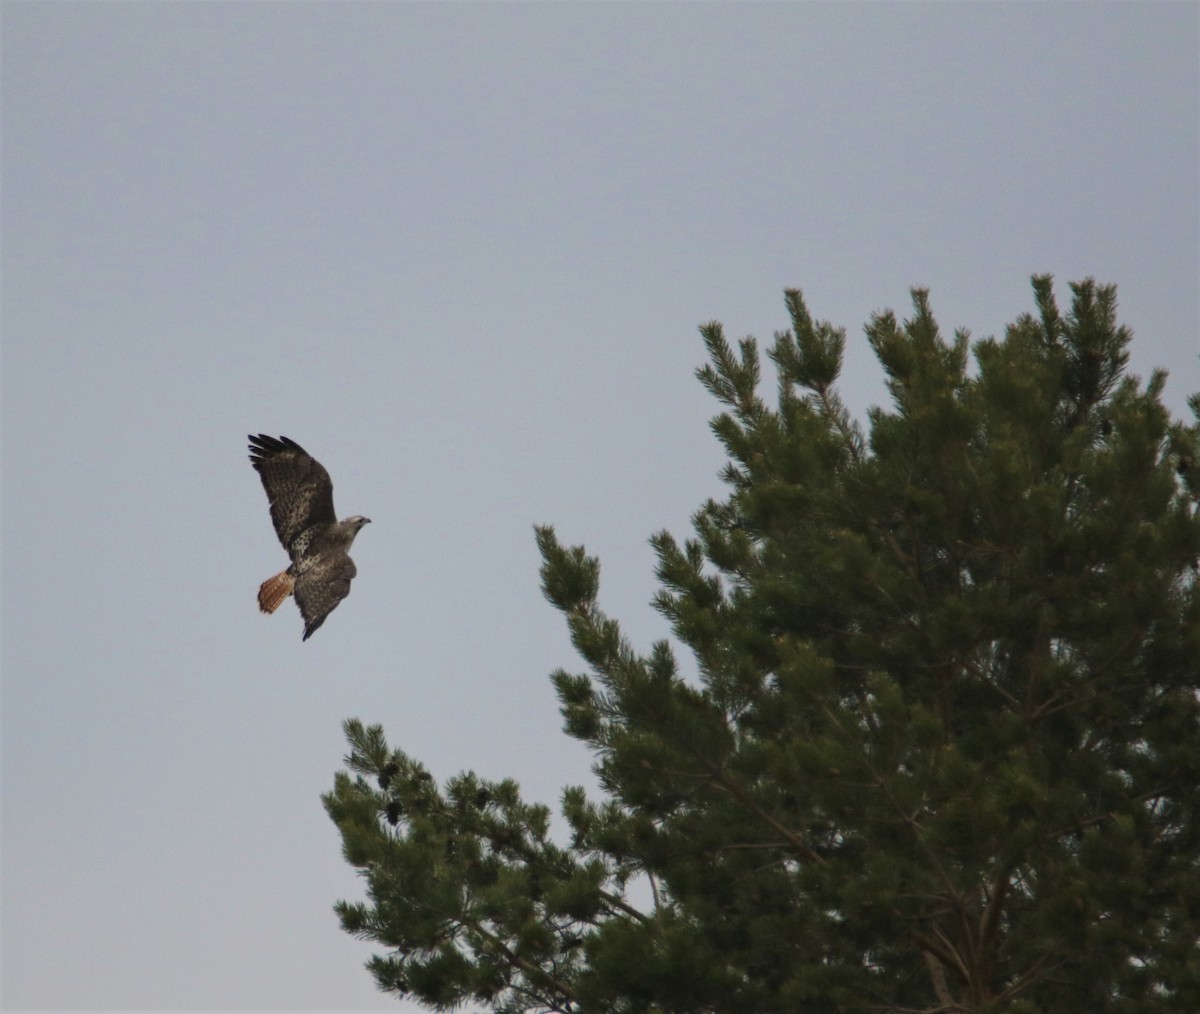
943,749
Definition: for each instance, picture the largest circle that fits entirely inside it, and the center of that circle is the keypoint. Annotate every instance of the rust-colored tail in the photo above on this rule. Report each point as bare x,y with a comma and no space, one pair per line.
274,590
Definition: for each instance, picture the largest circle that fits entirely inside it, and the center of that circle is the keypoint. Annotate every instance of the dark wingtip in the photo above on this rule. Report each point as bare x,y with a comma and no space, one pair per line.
263,446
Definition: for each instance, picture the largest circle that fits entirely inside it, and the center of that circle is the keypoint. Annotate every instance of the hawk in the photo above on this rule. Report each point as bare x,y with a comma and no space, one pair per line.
301,497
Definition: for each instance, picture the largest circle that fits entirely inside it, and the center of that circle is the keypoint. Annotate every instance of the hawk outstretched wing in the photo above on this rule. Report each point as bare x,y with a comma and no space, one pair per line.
301,496
321,587
298,487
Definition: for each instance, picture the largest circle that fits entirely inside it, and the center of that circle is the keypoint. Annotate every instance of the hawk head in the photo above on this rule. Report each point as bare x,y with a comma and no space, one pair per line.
344,531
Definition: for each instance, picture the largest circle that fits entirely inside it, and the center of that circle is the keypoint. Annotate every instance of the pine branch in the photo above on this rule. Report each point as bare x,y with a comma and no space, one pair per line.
937,975
536,971
797,841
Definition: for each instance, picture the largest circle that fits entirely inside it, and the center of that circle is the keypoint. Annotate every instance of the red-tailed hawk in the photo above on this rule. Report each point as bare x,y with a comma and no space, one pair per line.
301,496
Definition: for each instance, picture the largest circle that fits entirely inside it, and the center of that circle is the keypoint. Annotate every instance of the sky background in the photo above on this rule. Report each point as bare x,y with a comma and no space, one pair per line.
460,253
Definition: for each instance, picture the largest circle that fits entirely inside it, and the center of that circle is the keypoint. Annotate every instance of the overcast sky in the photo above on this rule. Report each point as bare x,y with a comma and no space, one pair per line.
459,252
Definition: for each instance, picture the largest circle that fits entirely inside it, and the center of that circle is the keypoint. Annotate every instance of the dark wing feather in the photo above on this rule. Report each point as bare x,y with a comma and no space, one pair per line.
298,487
321,586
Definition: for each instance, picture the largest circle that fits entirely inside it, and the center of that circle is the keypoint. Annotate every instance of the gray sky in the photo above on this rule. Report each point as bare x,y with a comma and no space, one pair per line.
459,253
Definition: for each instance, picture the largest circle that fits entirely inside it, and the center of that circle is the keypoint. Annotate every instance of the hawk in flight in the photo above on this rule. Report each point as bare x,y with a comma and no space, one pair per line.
301,496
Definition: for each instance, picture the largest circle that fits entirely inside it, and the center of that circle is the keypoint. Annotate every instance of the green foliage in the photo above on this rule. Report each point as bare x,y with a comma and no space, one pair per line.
943,748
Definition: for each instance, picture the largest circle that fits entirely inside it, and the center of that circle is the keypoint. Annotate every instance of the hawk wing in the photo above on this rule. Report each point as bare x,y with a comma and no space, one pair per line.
298,487
321,586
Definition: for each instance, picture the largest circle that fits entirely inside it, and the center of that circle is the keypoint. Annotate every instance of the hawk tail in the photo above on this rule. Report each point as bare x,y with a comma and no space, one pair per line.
274,590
